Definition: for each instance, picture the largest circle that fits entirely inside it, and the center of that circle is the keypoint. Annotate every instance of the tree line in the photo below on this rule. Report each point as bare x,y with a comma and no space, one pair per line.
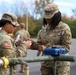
35,12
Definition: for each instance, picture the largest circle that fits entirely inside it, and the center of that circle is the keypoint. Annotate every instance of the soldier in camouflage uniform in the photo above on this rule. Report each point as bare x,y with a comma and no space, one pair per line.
23,36
8,49
54,33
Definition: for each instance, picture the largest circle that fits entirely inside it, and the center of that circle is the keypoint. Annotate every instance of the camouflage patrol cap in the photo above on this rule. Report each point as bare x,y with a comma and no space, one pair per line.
11,18
22,25
50,10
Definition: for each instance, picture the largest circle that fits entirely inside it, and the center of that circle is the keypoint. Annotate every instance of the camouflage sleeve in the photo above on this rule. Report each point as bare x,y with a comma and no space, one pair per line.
8,49
20,53
66,39
28,35
35,44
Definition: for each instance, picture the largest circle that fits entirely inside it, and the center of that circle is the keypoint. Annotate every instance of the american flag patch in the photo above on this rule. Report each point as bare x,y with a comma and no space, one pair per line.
7,44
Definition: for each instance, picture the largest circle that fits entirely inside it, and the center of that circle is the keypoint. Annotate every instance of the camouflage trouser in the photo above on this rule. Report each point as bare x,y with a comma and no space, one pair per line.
4,71
65,70
60,70
22,68
46,70
14,68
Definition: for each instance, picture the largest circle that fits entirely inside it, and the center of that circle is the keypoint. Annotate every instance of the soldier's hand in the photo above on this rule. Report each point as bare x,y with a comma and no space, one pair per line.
18,42
41,47
28,44
26,39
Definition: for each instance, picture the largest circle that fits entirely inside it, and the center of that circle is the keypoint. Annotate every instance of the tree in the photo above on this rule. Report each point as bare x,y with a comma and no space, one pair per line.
19,8
4,8
39,6
71,21
31,23
74,11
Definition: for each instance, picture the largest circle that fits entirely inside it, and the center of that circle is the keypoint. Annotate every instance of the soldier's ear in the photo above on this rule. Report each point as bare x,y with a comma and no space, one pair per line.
7,24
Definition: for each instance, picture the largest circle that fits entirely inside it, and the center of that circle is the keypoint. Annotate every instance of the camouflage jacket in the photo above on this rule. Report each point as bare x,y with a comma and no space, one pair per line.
7,47
60,36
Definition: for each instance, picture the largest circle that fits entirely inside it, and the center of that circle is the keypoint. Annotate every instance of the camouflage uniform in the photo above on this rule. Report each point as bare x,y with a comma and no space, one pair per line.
60,36
23,35
6,49
7,46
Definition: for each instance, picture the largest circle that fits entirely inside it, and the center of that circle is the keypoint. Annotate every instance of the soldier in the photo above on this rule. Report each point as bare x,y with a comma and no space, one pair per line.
53,33
23,36
8,49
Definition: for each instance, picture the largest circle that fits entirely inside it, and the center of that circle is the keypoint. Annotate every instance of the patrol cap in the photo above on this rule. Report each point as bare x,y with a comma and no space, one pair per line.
11,18
22,25
50,10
